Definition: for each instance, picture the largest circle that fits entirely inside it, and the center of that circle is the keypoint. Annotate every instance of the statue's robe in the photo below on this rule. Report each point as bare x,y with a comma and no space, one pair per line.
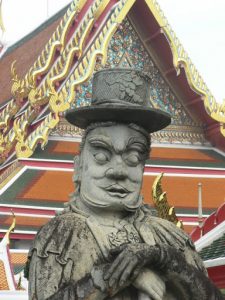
67,248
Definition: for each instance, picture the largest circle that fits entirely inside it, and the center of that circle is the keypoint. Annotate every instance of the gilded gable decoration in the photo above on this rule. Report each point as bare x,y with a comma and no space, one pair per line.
60,76
68,60
181,59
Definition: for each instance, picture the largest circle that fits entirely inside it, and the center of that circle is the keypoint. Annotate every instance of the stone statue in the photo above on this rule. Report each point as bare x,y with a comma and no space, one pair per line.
107,244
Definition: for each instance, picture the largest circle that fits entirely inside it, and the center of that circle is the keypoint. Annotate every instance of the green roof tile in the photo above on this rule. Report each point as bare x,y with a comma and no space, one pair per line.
18,268
215,250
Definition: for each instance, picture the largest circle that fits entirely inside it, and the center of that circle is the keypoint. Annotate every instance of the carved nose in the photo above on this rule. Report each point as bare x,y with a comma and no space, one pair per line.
116,173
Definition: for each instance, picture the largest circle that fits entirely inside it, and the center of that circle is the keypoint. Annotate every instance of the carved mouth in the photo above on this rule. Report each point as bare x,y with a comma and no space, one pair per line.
117,191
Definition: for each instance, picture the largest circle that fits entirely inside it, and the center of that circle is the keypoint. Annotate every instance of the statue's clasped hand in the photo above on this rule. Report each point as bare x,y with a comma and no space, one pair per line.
130,260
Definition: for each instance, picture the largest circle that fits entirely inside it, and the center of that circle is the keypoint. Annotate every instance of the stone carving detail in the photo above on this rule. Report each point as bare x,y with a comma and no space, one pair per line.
125,235
127,86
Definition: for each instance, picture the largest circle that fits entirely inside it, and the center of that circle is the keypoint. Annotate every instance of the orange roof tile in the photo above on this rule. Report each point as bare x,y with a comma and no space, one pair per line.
183,191
50,186
189,228
25,221
66,147
3,282
184,154
18,258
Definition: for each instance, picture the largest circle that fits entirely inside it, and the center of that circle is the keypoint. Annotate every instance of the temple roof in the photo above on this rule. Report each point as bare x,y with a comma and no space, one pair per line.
32,44
77,48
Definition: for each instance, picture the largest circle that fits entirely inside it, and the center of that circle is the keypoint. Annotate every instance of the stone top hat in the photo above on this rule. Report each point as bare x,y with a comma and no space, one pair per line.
120,95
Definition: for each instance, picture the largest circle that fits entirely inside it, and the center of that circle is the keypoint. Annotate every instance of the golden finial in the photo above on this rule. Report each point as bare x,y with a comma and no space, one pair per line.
11,228
165,211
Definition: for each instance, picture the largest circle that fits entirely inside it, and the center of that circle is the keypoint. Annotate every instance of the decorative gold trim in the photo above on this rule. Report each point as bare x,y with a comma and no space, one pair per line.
181,135
21,124
62,101
11,228
165,211
181,59
59,71
222,129
66,129
26,146
48,61
83,71
17,132
57,41
7,114
75,50
38,96
20,88
6,145
9,173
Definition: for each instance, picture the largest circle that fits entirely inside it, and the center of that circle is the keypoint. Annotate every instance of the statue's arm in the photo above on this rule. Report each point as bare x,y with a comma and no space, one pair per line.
49,280
186,268
171,262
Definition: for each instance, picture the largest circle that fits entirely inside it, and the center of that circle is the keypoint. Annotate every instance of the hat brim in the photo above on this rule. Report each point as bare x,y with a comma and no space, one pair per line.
149,118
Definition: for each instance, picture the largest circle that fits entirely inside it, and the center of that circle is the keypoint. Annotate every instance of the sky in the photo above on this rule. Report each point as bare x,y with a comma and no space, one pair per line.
199,24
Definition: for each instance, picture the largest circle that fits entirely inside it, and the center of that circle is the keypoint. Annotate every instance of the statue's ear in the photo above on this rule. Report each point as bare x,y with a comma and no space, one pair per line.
77,169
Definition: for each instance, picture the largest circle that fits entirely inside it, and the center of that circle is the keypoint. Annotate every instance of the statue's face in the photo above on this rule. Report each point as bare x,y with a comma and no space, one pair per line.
112,167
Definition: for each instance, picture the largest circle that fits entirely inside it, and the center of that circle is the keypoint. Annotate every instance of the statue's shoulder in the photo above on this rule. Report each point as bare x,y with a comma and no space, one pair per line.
58,232
64,221
165,231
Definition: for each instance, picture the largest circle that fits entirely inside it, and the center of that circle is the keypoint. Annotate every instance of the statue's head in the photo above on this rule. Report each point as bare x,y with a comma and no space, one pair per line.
116,141
111,164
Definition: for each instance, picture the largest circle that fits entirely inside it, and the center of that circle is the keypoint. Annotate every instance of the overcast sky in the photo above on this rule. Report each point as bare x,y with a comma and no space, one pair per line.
199,24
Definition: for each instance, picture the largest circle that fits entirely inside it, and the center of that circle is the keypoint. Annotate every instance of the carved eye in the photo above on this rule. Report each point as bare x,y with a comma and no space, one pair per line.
101,157
133,159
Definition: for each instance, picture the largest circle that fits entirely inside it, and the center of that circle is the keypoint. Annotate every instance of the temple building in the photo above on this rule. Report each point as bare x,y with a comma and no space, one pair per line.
50,71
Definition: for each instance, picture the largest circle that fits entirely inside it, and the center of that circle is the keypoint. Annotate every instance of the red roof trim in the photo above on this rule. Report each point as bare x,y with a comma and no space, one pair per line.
18,236
217,275
31,211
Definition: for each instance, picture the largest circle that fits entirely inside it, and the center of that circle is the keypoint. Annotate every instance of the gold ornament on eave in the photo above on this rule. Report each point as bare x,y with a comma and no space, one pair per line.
165,211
